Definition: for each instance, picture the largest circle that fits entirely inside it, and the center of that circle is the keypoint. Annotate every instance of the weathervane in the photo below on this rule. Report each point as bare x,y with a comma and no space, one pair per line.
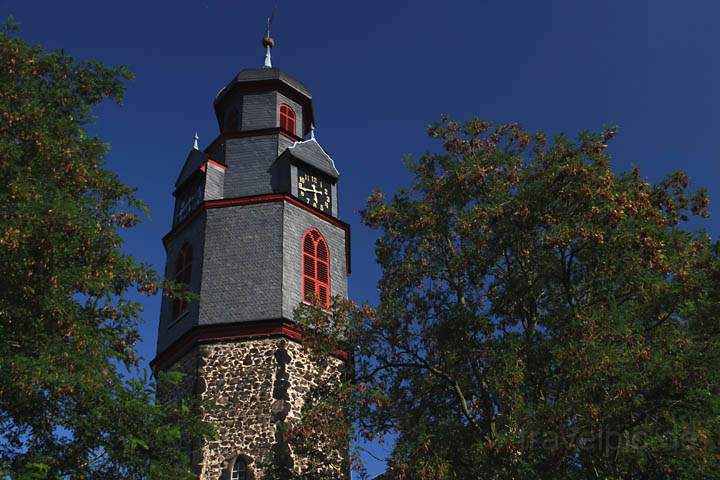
268,42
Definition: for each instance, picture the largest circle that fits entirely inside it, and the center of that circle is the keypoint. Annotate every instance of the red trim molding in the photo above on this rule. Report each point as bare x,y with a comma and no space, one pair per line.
254,200
251,133
274,197
220,166
203,169
217,164
290,136
264,198
235,331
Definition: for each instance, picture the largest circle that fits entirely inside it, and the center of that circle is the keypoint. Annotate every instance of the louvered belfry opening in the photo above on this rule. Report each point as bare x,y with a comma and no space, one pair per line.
183,274
316,269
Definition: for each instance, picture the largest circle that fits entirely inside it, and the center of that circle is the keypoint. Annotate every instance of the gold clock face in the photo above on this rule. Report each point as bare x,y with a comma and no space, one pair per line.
314,191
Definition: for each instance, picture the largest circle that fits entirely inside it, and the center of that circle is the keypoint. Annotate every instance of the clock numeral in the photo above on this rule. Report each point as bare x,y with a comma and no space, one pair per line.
314,191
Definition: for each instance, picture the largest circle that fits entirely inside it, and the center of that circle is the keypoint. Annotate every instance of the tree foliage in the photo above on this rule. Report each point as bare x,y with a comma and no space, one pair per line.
540,316
68,333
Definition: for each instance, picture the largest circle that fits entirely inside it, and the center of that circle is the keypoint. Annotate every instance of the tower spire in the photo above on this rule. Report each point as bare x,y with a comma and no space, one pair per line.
195,142
268,42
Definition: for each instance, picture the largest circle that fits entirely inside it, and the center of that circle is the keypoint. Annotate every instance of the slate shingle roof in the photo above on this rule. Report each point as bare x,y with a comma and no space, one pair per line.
261,74
313,154
194,160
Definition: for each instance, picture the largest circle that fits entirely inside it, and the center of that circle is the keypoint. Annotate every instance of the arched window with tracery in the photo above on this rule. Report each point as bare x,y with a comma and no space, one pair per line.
315,268
287,118
239,470
183,274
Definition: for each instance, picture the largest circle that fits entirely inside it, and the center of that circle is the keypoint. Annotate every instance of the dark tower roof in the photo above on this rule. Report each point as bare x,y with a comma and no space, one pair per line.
264,79
313,154
193,162
249,75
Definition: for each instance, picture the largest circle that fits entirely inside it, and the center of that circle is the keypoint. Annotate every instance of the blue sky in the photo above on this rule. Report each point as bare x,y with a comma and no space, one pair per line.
380,72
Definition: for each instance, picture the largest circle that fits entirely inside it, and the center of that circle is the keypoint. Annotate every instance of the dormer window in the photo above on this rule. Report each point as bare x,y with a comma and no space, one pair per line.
287,119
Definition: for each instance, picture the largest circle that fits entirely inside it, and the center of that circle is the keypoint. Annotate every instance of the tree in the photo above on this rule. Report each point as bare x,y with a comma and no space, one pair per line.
540,316
67,330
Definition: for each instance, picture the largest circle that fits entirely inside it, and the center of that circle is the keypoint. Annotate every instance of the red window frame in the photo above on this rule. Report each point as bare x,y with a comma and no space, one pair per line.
287,118
183,274
315,269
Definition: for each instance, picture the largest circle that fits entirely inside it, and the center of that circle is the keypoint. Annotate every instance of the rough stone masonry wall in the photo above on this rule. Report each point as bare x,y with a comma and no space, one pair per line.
257,384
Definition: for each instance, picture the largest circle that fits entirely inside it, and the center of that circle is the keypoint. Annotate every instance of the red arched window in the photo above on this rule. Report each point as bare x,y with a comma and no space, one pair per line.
183,273
287,118
315,269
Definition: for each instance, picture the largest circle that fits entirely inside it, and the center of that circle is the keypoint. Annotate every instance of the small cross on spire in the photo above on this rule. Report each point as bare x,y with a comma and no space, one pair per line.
195,143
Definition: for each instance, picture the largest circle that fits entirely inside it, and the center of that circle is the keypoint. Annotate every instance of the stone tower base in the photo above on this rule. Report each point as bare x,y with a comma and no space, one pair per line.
258,387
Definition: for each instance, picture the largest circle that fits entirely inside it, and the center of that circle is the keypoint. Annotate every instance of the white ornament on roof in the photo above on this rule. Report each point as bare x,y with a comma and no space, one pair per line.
195,142
268,60
314,140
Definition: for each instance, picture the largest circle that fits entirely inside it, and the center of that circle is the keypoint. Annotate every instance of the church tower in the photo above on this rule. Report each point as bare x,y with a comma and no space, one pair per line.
255,232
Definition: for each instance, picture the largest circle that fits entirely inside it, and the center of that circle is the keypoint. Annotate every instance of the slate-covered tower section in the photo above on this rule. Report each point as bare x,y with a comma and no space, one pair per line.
255,232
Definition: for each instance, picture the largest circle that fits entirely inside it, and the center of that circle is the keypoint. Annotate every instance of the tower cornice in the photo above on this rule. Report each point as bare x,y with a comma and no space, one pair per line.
234,331
258,199
261,132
